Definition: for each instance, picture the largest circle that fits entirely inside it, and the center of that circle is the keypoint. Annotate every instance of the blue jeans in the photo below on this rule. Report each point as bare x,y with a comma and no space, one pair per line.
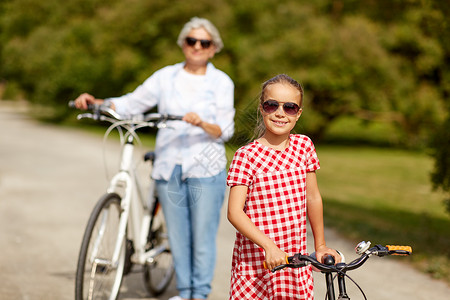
192,211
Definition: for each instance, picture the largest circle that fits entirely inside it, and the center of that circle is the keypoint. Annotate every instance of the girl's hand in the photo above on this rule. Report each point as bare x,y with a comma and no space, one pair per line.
324,250
274,257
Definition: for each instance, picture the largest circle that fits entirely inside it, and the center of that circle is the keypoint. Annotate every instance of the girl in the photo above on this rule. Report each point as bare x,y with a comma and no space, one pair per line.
273,190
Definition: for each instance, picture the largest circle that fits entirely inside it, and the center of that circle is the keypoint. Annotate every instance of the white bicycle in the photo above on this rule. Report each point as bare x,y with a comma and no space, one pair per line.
125,227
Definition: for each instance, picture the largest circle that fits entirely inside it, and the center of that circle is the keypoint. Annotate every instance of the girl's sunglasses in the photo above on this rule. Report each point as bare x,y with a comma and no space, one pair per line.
204,43
290,108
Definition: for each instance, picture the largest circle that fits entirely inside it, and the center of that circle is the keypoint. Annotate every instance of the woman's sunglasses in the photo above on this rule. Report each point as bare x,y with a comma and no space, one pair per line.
290,108
204,43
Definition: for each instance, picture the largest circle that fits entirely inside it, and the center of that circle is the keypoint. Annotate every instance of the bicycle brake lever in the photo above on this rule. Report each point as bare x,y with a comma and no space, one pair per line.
379,250
296,261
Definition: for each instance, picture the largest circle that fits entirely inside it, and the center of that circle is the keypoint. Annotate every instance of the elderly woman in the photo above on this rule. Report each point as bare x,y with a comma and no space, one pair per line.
190,156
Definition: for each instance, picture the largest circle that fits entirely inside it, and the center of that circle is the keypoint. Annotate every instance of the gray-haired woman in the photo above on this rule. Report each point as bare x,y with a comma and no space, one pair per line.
190,156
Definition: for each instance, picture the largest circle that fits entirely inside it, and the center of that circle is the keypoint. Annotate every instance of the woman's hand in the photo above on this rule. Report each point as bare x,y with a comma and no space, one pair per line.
274,257
193,118
84,99
324,251
212,129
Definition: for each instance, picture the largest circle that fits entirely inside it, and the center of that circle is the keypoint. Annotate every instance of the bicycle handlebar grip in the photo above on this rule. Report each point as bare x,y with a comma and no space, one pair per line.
174,117
328,260
265,266
399,250
71,104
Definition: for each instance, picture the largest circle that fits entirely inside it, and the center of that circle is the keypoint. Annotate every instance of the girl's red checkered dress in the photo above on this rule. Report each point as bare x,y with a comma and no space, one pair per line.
276,203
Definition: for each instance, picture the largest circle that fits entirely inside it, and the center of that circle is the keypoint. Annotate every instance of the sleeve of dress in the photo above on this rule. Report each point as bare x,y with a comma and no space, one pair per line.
239,172
312,161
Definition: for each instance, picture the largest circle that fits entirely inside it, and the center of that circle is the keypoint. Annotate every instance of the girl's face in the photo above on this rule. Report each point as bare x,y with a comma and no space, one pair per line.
279,122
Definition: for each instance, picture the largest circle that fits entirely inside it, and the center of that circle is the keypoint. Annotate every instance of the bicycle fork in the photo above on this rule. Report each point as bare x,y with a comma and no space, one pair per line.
341,286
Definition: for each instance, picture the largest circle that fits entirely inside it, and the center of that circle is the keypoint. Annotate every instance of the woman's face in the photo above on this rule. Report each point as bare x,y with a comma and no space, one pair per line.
197,54
279,122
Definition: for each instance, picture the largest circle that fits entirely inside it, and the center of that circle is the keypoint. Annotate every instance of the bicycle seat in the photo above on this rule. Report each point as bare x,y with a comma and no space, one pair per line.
149,156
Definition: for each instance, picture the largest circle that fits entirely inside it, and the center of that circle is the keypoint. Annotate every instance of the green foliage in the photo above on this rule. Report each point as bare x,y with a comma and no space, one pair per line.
441,173
377,61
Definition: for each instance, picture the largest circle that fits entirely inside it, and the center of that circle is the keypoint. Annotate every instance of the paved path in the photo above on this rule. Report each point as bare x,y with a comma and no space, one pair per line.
50,178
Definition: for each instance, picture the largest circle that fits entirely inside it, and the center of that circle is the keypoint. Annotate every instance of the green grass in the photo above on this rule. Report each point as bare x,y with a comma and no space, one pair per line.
385,196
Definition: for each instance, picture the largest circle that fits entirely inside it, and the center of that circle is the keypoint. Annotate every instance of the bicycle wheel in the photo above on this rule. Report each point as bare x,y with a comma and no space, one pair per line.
96,277
159,272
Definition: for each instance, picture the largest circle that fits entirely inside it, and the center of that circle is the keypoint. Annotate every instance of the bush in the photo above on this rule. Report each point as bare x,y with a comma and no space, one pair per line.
441,154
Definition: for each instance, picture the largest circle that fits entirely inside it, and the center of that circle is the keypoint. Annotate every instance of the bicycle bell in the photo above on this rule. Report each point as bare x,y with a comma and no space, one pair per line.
362,247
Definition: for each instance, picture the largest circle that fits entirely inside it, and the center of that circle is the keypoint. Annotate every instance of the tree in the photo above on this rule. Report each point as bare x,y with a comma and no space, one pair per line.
375,61
370,66
441,154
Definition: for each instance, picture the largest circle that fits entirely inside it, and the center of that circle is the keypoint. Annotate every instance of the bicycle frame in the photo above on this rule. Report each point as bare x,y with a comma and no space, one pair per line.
341,286
135,214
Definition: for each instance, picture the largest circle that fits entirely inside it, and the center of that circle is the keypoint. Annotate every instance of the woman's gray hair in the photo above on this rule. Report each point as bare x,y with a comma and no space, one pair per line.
195,23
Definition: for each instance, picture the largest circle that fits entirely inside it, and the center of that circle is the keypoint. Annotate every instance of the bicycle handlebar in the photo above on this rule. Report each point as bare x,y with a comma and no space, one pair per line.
298,260
99,110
